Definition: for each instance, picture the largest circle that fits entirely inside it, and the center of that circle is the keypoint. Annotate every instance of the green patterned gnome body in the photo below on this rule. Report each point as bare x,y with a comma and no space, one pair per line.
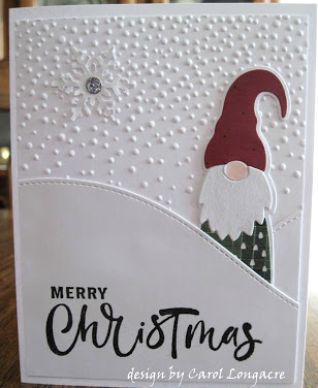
253,250
237,194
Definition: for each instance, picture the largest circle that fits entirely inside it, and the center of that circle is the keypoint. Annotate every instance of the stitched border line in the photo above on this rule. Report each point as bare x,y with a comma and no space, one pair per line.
173,216
281,224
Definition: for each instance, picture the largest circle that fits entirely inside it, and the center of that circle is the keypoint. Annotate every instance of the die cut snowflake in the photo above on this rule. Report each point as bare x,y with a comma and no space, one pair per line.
93,83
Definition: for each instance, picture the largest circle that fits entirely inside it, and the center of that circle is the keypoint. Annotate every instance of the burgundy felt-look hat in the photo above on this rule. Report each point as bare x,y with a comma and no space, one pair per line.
236,136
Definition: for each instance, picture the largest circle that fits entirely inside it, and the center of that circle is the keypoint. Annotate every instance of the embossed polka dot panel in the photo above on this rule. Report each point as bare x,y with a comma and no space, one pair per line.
133,102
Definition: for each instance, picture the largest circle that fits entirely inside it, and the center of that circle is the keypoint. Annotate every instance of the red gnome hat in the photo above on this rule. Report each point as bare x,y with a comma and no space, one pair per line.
235,136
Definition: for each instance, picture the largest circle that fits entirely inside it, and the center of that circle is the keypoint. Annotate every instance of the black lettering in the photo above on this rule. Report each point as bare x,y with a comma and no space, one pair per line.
203,334
102,292
50,332
138,339
175,313
56,292
91,291
80,292
69,292
250,343
156,330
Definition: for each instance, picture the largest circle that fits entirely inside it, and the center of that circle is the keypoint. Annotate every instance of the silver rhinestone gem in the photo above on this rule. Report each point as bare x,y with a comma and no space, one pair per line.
93,85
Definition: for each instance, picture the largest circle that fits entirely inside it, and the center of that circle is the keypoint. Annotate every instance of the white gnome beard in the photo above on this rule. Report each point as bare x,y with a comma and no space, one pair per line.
232,207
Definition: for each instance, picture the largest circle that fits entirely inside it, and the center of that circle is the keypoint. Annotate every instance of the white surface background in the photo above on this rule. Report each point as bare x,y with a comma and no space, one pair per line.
154,143
303,279
313,268
313,265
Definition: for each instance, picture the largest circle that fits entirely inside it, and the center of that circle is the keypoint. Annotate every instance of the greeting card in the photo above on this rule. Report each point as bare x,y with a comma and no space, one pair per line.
162,162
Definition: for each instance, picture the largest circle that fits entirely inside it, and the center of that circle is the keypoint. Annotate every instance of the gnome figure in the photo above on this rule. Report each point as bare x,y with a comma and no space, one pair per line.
237,194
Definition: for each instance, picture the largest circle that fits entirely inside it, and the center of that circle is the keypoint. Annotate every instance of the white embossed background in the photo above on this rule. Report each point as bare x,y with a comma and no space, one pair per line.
166,80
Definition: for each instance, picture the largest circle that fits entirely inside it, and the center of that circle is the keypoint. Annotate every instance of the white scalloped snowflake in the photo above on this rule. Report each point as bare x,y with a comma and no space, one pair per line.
92,84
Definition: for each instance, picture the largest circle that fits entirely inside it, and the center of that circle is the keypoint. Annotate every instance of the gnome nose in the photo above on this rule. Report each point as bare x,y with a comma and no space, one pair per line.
236,170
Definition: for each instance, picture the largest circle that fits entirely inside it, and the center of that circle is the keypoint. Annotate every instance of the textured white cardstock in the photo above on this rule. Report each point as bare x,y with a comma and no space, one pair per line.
162,163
